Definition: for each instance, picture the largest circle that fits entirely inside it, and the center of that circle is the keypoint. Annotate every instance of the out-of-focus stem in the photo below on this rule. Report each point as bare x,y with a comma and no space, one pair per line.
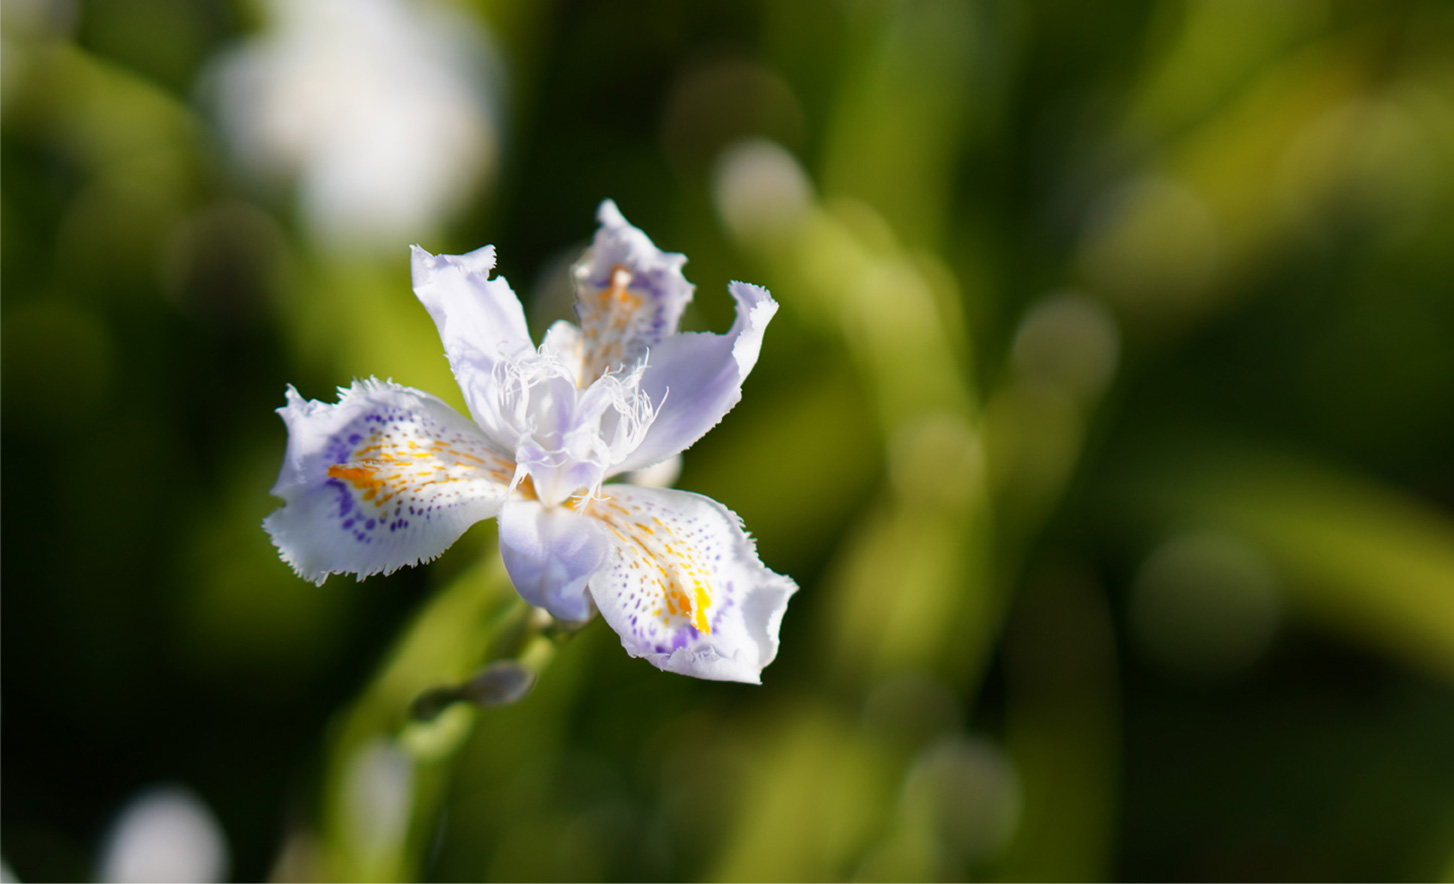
389,755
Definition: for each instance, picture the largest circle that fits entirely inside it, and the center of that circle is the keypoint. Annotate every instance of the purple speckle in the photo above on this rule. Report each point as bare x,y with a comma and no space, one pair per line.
680,639
345,499
369,525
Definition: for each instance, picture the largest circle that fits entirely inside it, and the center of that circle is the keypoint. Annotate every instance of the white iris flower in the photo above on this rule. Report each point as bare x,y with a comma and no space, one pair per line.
391,476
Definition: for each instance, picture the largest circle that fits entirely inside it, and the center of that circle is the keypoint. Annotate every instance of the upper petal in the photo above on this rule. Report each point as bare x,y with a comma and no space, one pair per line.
684,587
550,552
629,295
479,319
694,379
388,477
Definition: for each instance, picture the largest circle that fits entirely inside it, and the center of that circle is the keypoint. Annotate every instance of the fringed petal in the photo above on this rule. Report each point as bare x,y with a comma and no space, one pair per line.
694,379
388,477
683,586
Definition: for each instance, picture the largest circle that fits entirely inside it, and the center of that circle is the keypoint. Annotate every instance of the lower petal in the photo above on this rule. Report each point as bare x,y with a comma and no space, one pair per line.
550,553
387,477
684,587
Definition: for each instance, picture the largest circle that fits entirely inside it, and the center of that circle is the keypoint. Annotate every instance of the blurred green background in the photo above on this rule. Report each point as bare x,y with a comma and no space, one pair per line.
1107,425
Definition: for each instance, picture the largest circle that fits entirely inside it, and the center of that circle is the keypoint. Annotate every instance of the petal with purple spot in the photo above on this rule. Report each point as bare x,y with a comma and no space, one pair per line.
387,477
629,295
683,586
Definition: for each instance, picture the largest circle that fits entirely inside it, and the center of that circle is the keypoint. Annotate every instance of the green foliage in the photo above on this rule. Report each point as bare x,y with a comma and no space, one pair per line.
1108,426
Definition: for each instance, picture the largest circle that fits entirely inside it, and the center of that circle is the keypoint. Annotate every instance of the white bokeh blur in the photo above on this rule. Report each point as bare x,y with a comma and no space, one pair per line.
163,834
383,113
760,190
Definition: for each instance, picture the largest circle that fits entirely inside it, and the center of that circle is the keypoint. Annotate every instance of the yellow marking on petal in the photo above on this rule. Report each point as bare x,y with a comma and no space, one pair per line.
359,477
683,584
526,489
383,470
610,317
699,610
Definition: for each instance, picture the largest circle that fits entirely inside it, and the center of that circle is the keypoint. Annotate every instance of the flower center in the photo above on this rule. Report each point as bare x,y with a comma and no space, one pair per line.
567,438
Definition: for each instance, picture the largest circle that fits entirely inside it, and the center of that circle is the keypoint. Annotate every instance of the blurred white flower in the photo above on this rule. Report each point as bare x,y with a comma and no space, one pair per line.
382,111
164,834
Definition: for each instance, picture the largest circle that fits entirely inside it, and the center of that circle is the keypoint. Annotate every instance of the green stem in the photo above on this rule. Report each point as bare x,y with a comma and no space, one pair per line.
387,768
